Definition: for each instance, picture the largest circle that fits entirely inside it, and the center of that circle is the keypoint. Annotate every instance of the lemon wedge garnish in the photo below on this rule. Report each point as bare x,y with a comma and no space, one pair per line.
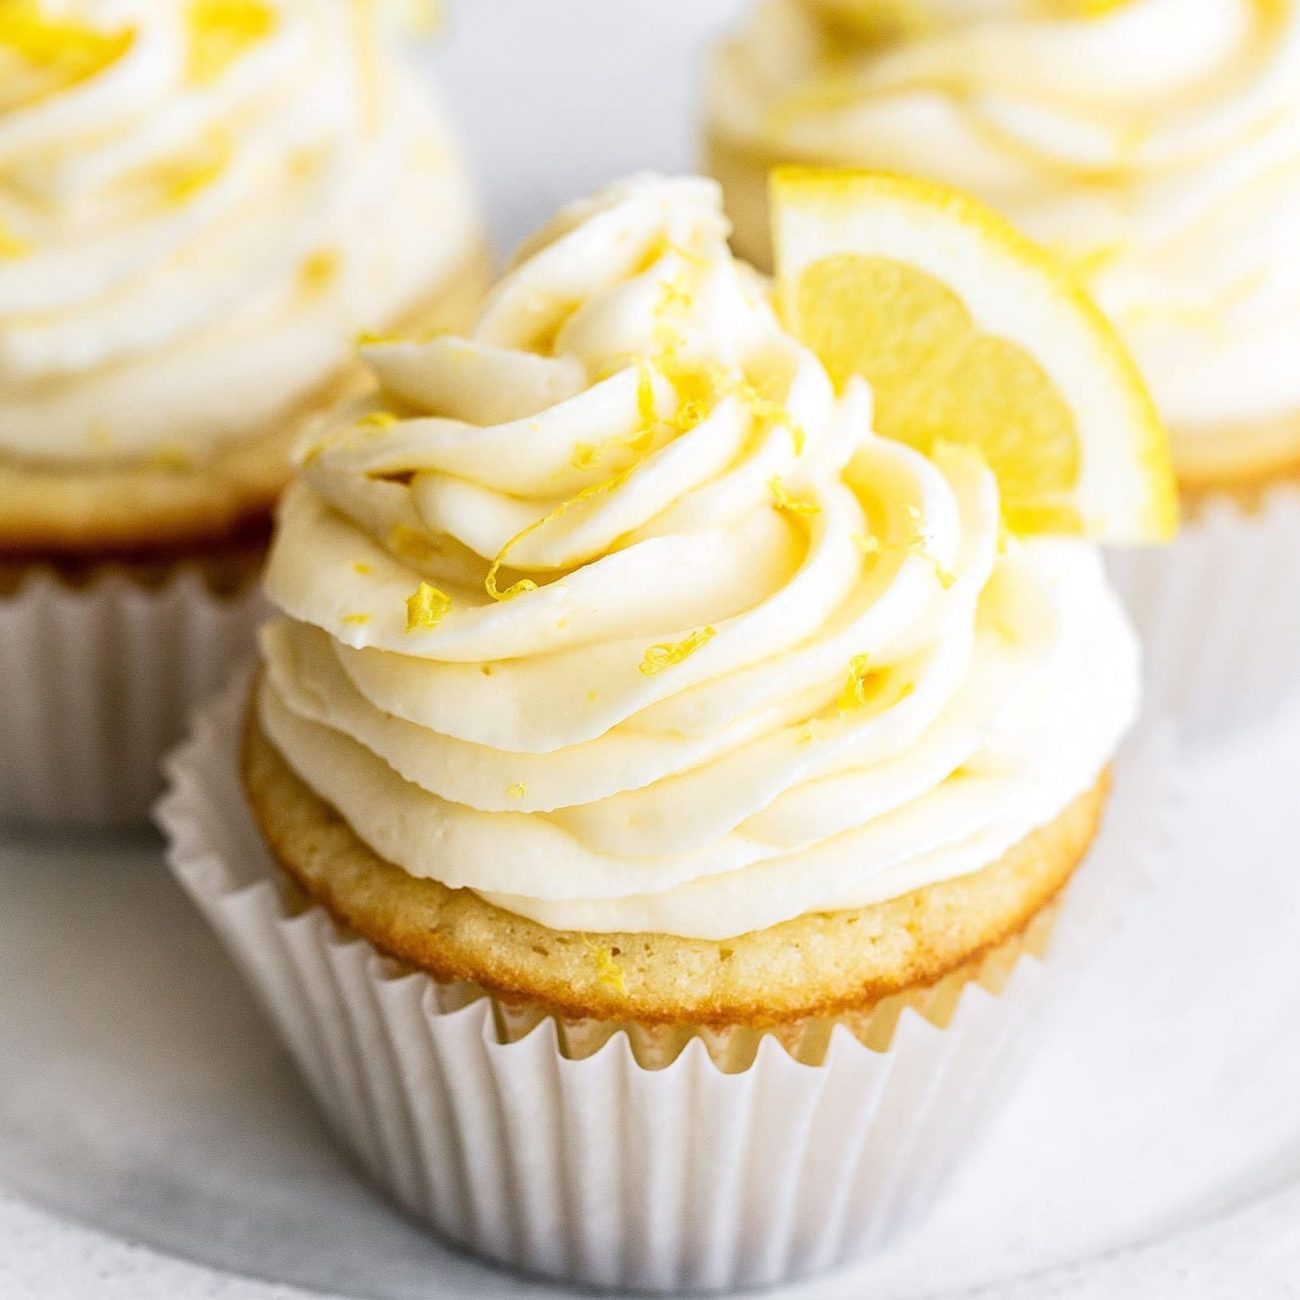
968,333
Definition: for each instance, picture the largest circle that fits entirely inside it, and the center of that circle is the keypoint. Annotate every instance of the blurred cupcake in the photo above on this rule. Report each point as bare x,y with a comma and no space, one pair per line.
201,204
1154,145
626,683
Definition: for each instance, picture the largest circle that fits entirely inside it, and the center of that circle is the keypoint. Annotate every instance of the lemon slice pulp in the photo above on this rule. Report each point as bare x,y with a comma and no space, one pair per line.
968,333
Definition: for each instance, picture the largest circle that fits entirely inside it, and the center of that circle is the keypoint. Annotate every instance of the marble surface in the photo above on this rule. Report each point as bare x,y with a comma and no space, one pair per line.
155,1143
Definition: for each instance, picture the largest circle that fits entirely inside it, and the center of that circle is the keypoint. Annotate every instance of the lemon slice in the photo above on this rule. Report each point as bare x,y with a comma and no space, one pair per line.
968,333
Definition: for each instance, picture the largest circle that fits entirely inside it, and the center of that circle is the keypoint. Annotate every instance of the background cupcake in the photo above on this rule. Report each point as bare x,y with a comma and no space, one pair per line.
626,681
1154,146
201,203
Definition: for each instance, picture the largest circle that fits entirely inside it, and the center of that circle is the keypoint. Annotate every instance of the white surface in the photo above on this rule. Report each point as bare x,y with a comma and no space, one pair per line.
1154,1148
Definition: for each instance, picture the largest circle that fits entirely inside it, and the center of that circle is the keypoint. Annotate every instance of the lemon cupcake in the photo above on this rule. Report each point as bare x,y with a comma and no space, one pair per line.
201,203
1152,145
656,776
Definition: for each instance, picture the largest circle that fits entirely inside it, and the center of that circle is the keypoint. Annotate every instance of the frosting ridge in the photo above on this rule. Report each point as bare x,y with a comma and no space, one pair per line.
615,612
199,206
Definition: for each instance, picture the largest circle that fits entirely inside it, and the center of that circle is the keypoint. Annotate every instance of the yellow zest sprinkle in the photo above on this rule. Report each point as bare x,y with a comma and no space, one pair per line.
771,413
782,499
377,420
519,588
527,584
518,790
319,270
608,971
369,339
425,608
867,543
664,655
919,542
357,620
854,694
10,245
222,31
66,51
361,567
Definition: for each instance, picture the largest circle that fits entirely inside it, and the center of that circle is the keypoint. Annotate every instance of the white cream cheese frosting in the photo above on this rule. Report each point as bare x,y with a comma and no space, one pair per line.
201,203
615,613
1155,143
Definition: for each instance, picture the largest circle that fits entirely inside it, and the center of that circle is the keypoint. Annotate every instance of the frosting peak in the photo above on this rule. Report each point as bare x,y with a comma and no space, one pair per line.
615,612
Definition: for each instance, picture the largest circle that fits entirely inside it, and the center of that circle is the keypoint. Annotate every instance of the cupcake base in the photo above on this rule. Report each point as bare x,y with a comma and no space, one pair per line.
595,1168
99,678
799,979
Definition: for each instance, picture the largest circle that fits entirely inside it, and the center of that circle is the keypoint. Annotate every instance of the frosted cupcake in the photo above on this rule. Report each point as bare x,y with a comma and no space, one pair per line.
625,681
201,205
1154,145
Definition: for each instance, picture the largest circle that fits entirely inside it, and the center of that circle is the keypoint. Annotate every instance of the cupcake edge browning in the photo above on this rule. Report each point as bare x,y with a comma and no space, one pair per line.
820,964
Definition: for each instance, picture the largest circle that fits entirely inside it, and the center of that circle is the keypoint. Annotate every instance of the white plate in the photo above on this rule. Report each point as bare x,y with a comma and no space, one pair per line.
155,1142
1156,1138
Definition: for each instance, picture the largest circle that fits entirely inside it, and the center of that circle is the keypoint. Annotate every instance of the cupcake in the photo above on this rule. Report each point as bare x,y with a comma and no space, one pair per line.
201,205
1151,145
655,778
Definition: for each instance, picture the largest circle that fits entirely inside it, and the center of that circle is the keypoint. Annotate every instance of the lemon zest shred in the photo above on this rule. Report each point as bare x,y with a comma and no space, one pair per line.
370,339
377,420
918,543
667,653
782,499
361,567
854,694
608,971
527,584
357,620
426,607
518,791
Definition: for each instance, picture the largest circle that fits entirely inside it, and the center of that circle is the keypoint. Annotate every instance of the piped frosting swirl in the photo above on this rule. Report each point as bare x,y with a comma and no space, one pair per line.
616,613
201,203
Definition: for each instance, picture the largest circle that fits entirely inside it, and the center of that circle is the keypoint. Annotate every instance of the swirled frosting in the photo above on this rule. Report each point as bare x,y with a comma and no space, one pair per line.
1155,143
201,203
616,613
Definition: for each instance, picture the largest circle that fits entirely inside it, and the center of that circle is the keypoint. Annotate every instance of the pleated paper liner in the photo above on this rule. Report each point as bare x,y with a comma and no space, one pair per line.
624,1156
1219,612
98,680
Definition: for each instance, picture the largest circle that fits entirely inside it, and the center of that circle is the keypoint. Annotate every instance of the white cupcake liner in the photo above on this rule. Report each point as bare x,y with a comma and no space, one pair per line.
1219,612
96,685
599,1170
